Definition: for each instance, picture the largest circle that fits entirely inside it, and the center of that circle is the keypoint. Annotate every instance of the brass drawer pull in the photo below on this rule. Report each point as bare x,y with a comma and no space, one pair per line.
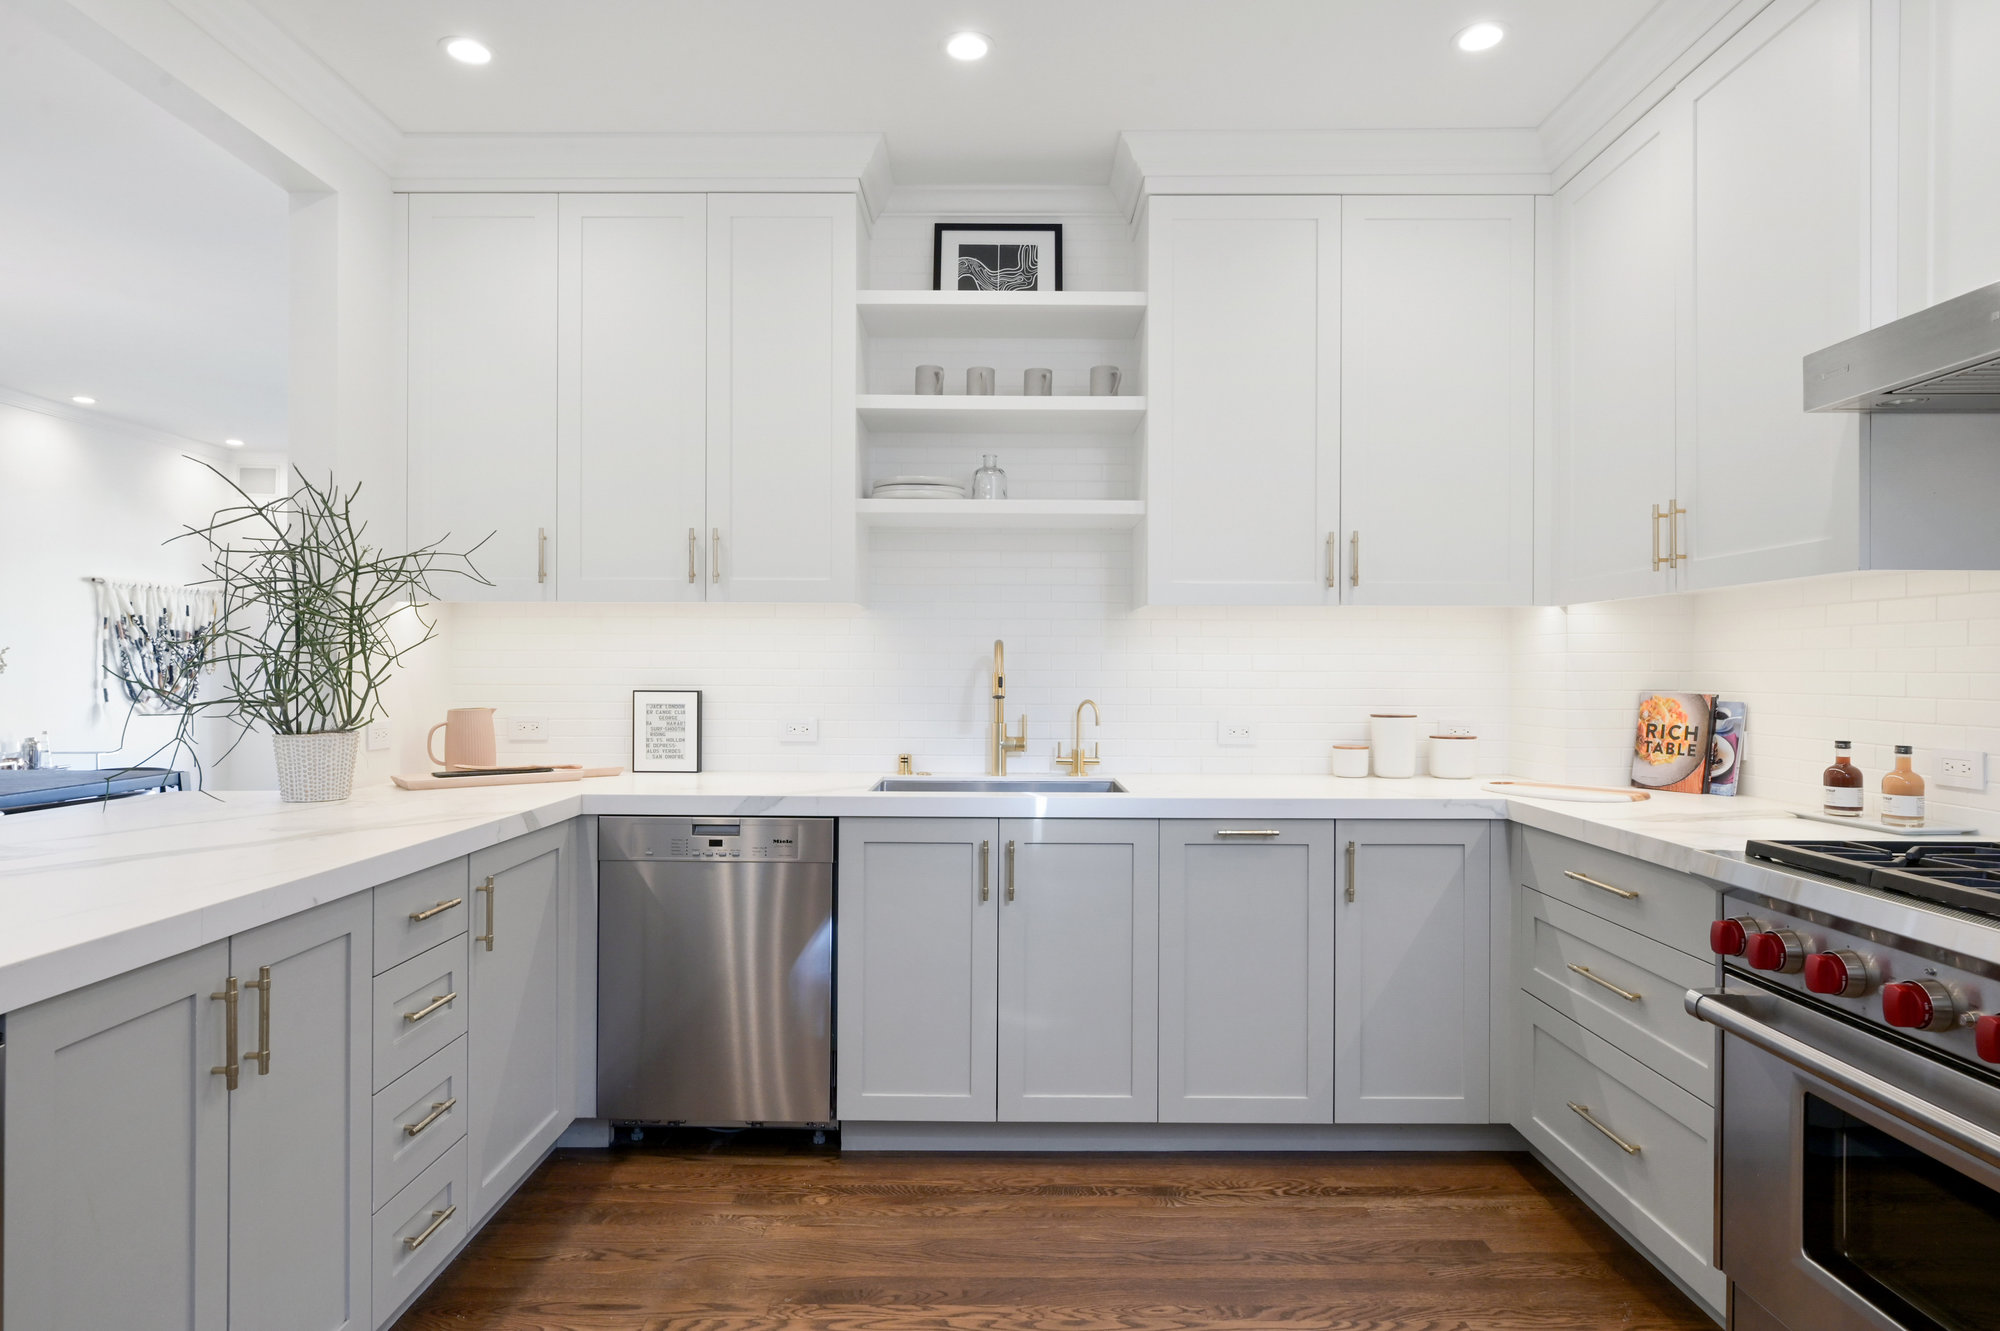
694,548
1332,560
443,1000
438,1110
1588,881
419,916
985,870
1350,872
1249,831
438,1218
262,1053
1592,976
1583,1112
230,1067
487,937
1010,871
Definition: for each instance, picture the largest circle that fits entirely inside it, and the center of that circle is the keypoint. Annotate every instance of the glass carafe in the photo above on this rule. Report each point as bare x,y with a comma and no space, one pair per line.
989,482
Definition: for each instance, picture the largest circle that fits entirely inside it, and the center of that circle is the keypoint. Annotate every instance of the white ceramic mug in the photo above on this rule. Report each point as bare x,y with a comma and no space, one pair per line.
1393,743
979,381
1037,383
930,380
1104,380
1454,756
468,738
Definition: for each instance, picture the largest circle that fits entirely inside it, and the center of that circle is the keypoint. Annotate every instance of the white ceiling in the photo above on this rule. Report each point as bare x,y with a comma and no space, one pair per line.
139,263
1064,76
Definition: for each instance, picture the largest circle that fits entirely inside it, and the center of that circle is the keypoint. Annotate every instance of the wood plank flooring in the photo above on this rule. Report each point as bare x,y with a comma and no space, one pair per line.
700,1237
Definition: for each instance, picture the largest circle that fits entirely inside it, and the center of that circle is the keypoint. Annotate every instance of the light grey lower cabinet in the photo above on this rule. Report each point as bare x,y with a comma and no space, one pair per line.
520,1045
1246,971
1411,1001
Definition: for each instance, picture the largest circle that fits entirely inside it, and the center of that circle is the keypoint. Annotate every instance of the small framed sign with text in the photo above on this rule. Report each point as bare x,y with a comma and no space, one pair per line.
666,730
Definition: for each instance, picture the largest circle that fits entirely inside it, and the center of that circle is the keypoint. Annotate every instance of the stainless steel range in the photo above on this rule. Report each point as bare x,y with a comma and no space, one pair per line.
1860,1166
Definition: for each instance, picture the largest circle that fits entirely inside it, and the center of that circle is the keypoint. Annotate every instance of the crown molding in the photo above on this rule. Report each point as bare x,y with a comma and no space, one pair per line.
1001,201
105,422
842,162
1646,65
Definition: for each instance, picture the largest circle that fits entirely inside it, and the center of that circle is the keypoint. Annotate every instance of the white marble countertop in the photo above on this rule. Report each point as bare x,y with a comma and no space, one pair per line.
91,892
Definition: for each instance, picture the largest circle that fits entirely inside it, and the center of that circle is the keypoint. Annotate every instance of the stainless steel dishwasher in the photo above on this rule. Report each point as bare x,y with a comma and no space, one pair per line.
715,970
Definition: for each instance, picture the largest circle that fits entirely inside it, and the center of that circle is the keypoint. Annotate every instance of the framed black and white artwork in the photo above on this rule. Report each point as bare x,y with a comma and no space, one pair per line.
997,256
666,730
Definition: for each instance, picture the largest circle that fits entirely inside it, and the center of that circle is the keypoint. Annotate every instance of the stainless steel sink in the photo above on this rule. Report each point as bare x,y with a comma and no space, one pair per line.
1002,785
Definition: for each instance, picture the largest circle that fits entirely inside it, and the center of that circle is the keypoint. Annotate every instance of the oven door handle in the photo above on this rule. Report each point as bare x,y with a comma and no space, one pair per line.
1724,1009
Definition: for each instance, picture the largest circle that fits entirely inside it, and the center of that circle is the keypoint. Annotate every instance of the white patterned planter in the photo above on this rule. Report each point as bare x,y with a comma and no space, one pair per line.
316,767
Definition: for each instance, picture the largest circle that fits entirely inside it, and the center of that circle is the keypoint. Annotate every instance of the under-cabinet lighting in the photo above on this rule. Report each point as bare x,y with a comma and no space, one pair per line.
466,50
967,46
1480,37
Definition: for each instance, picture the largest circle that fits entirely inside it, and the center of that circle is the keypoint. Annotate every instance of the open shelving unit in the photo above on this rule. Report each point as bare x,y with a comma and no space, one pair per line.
907,413
989,513
1093,314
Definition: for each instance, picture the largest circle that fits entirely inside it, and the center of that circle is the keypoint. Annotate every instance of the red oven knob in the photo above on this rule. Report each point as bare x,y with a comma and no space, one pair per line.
1728,938
1776,950
1842,972
1918,1005
1986,1037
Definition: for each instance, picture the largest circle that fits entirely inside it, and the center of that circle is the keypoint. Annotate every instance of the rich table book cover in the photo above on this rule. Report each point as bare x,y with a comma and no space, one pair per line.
1670,751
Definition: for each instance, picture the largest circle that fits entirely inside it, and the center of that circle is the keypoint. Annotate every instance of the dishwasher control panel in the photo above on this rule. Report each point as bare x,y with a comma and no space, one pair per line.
807,840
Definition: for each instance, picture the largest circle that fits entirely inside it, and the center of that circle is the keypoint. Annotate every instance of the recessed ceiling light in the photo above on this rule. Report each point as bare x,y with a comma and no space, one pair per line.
466,50
232,443
1480,37
83,401
967,46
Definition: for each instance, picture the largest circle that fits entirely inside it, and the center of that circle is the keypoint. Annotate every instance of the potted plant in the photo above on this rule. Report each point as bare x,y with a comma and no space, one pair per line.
304,641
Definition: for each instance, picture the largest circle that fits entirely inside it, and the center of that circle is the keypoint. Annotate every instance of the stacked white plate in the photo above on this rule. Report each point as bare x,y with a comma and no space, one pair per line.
918,487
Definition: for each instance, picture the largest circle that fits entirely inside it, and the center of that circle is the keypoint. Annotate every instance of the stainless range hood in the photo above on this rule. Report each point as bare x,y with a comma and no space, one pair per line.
1945,358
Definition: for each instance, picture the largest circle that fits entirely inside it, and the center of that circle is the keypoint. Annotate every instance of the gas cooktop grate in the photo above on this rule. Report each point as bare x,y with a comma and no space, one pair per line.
1965,874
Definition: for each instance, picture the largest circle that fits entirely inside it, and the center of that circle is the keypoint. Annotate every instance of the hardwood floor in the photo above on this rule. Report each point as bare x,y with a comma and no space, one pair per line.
721,1238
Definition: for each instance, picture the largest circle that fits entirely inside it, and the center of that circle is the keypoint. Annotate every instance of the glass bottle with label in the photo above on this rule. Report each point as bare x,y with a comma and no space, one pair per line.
1842,782
1902,793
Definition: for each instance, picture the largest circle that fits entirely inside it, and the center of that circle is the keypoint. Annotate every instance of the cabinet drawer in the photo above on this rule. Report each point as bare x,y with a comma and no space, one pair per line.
429,1098
1674,908
418,1229
1664,1192
1573,959
419,1009
399,934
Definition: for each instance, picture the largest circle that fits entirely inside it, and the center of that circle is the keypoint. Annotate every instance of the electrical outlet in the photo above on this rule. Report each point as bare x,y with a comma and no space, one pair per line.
527,729
799,730
1961,769
378,736
1236,733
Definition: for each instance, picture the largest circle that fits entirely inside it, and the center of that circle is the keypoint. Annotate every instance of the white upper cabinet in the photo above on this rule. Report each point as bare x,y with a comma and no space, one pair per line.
632,444
1781,246
1437,375
1622,245
781,372
1243,380
482,386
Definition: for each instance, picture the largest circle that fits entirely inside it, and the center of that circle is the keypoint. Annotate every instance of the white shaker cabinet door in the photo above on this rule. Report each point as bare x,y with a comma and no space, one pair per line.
1243,400
1411,1000
1623,247
117,1168
1437,332
1781,246
631,463
300,1188
917,983
1246,971
1079,959
781,383
520,1036
482,387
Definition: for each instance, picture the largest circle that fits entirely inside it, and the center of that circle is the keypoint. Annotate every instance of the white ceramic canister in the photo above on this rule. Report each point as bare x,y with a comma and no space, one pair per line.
1454,756
1350,760
1393,743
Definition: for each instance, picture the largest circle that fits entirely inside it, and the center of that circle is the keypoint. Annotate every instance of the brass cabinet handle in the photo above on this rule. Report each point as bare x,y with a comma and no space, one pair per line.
439,1109
487,937
1332,560
419,916
1350,871
1674,516
1658,558
437,1222
263,1051
985,869
1249,831
715,554
230,1067
541,554
442,1000
1588,881
1010,871
1583,1112
1354,561
1592,976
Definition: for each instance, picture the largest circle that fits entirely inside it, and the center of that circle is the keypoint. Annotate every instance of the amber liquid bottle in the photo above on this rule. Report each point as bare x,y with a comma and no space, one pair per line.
1902,793
1842,782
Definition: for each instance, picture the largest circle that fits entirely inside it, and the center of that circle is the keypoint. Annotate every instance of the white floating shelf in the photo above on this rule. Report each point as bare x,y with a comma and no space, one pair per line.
907,413
1097,314
1100,513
